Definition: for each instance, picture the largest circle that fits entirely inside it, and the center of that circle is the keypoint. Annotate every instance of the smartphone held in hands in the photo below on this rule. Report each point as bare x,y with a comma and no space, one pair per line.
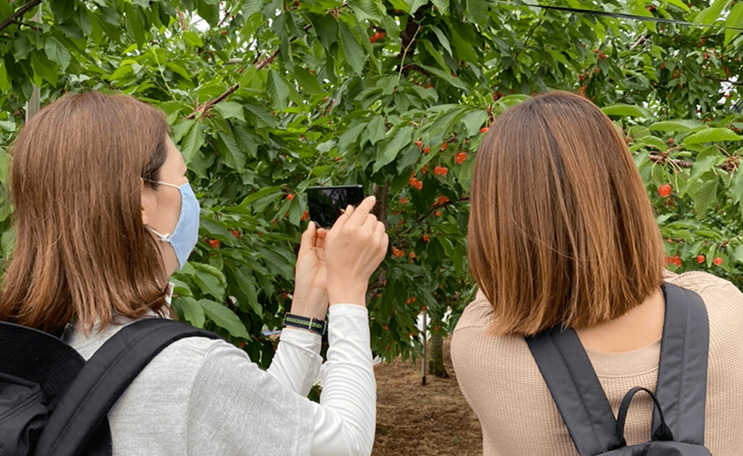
326,204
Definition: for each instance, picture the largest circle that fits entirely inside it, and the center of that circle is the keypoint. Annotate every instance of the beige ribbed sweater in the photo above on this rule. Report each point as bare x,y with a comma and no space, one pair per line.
502,383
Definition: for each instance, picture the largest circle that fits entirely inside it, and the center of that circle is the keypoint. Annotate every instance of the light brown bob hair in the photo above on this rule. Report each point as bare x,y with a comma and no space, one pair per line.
81,250
561,230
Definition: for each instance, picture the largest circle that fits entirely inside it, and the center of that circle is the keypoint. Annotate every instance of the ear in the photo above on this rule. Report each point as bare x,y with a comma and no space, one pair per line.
148,202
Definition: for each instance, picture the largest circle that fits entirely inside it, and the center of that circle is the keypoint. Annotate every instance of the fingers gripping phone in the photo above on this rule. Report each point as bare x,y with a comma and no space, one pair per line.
327,203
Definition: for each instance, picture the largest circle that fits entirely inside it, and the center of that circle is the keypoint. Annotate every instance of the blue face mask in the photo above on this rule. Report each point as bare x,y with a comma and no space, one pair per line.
186,232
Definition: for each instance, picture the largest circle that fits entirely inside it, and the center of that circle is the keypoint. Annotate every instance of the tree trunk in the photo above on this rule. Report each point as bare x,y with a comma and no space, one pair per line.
436,360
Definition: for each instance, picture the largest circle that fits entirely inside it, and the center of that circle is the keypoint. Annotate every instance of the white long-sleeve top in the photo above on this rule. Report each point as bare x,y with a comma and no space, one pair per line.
205,397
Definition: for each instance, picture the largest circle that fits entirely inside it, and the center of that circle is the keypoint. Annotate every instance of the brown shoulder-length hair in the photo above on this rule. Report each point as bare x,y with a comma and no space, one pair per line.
81,250
561,230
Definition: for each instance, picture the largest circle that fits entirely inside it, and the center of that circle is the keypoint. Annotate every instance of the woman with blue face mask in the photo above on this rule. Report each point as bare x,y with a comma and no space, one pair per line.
104,214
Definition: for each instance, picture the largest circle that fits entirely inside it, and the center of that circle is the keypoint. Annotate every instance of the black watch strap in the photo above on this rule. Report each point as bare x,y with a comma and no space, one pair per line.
313,324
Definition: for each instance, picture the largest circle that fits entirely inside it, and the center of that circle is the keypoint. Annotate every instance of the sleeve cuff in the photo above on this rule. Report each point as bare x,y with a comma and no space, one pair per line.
347,309
301,338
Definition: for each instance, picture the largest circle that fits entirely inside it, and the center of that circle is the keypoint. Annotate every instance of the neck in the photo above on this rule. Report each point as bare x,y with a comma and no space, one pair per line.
636,329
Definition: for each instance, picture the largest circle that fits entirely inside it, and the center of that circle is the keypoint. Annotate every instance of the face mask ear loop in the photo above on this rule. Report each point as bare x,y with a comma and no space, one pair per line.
162,237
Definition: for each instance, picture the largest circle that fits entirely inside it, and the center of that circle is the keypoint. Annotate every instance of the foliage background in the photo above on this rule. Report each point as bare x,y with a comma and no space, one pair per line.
268,97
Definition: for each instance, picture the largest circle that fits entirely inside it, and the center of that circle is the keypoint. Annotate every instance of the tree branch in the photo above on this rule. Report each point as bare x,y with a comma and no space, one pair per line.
18,14
204,107
528,37
260,64
642,39
408,39
660,159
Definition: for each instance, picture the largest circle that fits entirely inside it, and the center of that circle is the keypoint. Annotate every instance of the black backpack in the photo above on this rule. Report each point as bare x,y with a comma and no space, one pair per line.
680,397
52,402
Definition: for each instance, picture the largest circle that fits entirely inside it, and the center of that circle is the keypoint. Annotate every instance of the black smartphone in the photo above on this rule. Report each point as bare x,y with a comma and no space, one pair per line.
325,203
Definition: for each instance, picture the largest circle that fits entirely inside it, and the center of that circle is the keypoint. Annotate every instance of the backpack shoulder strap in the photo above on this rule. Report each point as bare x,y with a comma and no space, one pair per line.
682,372
102,381
575,388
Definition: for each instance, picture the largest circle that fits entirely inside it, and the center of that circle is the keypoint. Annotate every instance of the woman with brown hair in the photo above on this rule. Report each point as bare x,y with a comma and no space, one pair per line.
104,214
562,233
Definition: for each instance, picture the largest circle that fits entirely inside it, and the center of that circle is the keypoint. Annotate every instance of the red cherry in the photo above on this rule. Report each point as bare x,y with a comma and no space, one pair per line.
235,233
700,259
426,150
664,190
419,143
290,196
483,129
426,238
404,200
460,158
214,243
717,261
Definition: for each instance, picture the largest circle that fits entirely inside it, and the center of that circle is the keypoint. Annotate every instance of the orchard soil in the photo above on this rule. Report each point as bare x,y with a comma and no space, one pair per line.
431,420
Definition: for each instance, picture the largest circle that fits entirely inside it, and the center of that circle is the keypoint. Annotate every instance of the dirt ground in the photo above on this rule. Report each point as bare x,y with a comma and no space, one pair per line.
431,420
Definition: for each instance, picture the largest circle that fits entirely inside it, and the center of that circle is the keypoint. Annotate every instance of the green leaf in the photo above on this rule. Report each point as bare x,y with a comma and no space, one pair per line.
230,110
704,197
477,11
679,3
456,82
474,121
191,311
350,136
251,7
306,80
193,39
388,152
192,142
245,281
4,82
677,125
705,162
443,40
209,10
376,130
224,318
512,100
351,49
652,141
210,279
627,110
365,10
57,52
735,19
441,5
278,89
134,25
712,13
413,5
175,68
711,135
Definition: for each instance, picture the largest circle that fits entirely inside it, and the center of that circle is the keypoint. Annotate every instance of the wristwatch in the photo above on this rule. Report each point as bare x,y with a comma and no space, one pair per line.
312,324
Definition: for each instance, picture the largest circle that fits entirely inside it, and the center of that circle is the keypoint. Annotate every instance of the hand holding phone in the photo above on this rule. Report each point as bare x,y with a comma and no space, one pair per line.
354,247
